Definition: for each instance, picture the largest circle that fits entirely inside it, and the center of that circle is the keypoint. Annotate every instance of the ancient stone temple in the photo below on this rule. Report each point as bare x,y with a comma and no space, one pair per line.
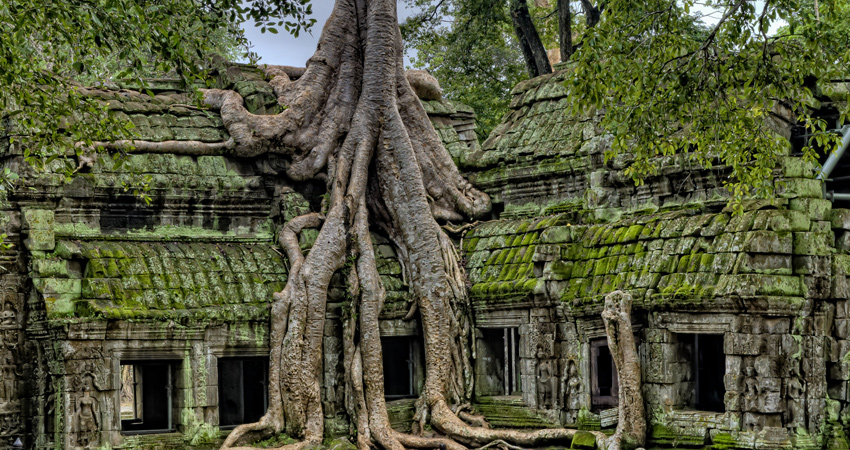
133,324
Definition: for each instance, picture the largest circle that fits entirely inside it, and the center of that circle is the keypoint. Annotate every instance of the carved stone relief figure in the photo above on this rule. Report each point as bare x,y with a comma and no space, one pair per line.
10,338
572,394
796,403
86,423
9,373
751,390
547,386
7,316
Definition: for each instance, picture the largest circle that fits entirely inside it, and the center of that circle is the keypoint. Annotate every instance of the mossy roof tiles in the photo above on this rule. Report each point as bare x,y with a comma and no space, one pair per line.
127,280
202,280
671,257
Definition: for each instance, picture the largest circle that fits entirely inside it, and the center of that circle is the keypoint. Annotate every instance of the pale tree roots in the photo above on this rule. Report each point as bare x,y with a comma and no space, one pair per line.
353,120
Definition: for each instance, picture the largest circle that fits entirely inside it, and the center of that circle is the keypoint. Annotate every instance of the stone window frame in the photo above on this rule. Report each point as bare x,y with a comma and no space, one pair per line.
174,357
407,329
677,323
216,352
590,330
596,399
519,319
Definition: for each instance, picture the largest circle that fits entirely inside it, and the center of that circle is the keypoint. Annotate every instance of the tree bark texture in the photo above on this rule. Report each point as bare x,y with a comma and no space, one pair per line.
565,32
631,428
532,47
591,13
353,121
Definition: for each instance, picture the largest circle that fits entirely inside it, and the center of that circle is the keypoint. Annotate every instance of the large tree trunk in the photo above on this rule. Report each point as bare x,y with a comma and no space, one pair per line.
533,51
565,32
354,121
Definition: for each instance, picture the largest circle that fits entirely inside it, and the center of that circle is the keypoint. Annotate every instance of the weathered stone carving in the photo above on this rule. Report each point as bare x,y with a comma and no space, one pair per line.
86,423
547,382
9,373
572,391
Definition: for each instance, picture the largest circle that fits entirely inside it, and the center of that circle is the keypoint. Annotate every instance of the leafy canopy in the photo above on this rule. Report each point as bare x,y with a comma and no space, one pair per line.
715,91
48,46
470,46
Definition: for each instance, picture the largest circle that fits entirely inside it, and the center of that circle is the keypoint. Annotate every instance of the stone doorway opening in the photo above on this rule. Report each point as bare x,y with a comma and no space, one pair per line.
146,396
242,390
499,368
706,368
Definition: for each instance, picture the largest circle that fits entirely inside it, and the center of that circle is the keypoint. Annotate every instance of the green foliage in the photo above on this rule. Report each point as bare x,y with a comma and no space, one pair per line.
47,45
669,84
468,46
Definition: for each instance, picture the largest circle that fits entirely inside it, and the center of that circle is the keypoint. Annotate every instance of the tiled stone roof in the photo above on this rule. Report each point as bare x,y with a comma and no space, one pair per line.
202,279
685,256
126,280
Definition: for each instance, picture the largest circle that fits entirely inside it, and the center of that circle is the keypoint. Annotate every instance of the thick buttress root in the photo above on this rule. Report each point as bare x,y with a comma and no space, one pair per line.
353,120
631,428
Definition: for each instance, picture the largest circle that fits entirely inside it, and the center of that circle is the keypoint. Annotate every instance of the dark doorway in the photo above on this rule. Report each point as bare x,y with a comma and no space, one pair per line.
399,355
146,396
603,374
708,366
242,390
498,366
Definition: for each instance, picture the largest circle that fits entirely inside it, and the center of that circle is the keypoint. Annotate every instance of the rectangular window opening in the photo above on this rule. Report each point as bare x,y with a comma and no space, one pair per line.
604,380
499,372
147,396
242,390
401,361
704,355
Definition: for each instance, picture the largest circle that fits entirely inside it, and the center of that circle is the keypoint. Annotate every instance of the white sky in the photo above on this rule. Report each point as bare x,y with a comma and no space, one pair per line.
285,50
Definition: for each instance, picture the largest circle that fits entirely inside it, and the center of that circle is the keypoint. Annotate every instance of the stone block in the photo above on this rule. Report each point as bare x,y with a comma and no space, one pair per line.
769,384
38,219
842,328
840,218
759,284
58,268
256,103
839,350
657,370
799,188
814,243
842,241
766,366
772,402
40,239
733,382
765,263
840,371
764,241
60,305
813,265
796,167
821,226
732,401
730,242
815,208
50,286
747,324
657,335
742,344
817,287
776,325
